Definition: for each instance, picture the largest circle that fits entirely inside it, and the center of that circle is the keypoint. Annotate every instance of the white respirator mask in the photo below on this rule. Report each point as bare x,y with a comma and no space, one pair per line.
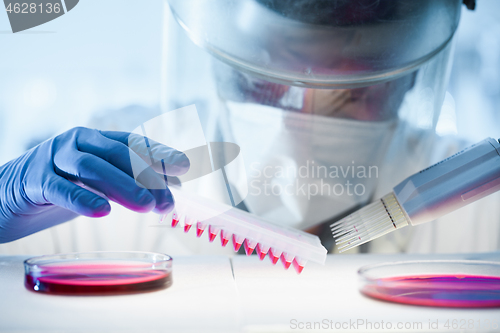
305,169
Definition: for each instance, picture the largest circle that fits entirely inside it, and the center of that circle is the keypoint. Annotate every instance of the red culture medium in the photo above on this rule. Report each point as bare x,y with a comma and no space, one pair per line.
456,291
97,276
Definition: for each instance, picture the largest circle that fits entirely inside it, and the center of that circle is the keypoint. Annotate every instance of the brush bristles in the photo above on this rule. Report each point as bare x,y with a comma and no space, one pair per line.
370,222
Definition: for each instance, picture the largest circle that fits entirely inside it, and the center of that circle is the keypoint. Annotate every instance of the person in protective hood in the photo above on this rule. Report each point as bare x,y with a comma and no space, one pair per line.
331,103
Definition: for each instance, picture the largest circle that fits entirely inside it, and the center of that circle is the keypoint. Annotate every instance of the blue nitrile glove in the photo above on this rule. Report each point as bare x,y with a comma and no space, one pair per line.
38,190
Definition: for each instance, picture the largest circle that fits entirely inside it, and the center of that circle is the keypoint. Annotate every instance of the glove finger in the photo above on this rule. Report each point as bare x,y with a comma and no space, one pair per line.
129,162
104,177
61,192
176,163
164,201
114,152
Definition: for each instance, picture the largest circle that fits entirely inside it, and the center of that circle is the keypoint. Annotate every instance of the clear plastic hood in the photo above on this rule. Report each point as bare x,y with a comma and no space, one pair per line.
319,43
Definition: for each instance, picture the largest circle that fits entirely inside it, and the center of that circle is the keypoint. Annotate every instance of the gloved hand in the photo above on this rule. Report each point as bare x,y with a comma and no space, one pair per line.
39,189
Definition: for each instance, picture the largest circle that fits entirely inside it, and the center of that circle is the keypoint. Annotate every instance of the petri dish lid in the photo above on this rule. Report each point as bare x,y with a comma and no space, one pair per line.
98,273
436,283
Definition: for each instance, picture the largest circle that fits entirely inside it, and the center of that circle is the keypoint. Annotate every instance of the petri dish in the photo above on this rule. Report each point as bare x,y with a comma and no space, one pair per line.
435,283
98,273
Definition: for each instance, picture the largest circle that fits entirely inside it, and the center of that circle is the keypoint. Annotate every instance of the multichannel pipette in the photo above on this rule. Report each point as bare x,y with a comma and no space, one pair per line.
429,194
291,246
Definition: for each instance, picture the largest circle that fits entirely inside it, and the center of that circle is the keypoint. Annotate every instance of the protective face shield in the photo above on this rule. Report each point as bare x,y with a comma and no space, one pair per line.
320,43
328,100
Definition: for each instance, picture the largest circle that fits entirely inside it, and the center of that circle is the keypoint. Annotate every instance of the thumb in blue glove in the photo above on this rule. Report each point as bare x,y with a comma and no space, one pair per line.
39,189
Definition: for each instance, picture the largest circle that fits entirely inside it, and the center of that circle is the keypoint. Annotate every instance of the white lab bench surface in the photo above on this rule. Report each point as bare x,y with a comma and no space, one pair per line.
239,294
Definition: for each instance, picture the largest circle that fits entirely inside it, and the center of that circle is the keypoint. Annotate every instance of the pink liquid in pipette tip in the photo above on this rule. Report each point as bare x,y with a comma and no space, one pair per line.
457,291
200,228
286,263
211,234
298,267
261,254
237,241
224,238
262,251
274,258
249,247
97,279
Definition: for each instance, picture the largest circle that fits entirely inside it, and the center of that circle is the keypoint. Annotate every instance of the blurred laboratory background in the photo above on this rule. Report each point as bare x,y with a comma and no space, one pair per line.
115,64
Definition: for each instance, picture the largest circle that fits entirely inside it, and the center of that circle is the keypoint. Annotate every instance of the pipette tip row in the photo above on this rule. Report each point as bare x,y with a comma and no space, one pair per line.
249,245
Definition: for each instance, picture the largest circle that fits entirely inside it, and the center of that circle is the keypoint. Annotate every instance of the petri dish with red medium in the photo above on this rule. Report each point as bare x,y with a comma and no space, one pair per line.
434,283
98,273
